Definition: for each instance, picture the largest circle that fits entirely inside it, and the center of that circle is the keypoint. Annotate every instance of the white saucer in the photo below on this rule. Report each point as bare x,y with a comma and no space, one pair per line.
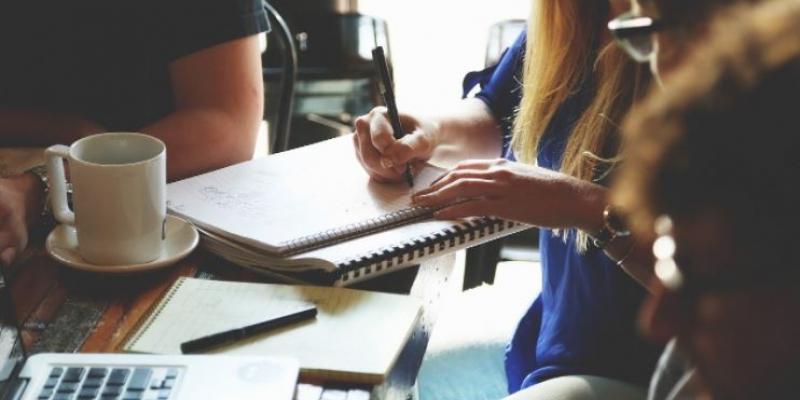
182,238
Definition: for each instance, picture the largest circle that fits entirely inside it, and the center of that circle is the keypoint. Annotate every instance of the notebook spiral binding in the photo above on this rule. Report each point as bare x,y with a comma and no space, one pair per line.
354,230
149,316
385,258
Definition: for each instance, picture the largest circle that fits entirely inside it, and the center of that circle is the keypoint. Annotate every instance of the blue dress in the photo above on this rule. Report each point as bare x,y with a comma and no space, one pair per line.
583,322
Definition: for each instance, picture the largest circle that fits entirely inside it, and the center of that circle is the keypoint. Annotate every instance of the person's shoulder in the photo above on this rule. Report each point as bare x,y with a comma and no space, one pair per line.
193,25
244,6
520,43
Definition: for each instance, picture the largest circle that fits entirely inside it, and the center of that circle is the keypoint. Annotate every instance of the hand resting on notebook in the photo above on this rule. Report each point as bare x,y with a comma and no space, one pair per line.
484,186
514,191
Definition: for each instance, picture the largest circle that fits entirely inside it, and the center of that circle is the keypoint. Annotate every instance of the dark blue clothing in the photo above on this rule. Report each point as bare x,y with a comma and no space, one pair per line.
108,61
583,322
501,89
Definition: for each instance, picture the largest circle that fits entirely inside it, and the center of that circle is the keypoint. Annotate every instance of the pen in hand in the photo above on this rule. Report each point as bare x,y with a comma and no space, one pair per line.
217,339
387,91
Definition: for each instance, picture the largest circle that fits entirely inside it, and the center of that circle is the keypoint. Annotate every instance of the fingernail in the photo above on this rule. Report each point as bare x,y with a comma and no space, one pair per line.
386,163
8,255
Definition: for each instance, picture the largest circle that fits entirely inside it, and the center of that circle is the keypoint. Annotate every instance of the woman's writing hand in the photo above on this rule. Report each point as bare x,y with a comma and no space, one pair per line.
384,157
515,191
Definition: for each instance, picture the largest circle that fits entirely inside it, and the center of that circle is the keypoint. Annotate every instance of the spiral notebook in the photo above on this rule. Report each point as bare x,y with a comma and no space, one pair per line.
313,215
356,336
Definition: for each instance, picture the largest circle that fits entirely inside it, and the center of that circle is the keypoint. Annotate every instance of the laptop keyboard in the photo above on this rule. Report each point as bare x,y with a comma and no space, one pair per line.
119,383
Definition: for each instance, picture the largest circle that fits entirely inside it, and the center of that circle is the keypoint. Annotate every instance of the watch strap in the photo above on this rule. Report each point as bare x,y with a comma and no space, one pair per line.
613,227
602,238
46,216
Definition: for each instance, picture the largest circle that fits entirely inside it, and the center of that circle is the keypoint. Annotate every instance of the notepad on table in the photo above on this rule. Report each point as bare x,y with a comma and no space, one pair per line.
313,215
356,336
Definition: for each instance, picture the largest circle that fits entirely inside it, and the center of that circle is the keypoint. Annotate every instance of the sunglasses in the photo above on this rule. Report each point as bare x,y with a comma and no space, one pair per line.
633,33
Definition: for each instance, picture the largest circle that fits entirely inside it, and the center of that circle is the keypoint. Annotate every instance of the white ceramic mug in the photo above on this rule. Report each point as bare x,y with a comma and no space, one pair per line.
119,184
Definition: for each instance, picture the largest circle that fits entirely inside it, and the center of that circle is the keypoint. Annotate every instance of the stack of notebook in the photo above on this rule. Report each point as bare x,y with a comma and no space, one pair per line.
314,215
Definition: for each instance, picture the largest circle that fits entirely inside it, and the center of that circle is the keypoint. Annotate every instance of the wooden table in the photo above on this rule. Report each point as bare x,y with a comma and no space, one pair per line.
70,311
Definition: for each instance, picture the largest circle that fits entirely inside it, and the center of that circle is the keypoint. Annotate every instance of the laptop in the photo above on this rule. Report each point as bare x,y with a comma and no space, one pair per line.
57,376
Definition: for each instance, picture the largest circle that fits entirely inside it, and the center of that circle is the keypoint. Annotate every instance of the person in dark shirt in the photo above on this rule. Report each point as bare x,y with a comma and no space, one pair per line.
187,72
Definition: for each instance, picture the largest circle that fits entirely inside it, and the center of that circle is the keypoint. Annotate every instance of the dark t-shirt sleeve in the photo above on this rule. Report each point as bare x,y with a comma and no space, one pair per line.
191,25
501,86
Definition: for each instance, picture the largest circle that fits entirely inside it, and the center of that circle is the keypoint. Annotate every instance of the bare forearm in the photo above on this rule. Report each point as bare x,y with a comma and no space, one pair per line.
200,140
219,101
466,131
36,128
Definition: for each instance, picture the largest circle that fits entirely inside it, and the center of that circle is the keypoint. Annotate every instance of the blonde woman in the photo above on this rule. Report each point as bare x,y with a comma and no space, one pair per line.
578,339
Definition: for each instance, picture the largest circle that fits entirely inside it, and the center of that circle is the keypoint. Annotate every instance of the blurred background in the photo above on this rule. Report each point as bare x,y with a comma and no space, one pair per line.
430,44
436,42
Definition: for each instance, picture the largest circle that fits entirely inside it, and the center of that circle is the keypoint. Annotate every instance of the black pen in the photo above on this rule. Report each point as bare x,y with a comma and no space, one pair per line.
204,343
387,91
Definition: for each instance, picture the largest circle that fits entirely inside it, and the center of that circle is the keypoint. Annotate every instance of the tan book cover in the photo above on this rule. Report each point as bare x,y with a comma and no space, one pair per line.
356,336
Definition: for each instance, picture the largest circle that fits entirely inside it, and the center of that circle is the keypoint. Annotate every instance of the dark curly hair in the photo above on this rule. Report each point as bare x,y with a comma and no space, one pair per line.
723,135
689,13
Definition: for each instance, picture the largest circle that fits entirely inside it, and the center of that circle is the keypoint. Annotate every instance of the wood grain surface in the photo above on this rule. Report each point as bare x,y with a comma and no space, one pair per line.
70,311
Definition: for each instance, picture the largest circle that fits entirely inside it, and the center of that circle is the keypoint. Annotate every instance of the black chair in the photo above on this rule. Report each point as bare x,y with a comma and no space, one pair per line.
280,139
334,78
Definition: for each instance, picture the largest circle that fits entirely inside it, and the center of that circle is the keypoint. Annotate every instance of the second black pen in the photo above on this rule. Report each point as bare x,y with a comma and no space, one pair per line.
205,343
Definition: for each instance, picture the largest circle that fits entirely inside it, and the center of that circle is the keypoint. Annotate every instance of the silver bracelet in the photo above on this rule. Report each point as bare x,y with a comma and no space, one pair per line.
627,255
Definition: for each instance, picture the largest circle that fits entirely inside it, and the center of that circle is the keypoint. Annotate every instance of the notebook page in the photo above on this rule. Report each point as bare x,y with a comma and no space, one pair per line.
356,335
271,201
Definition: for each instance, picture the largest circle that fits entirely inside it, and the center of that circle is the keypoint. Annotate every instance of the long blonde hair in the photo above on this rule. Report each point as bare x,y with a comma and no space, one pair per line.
562,54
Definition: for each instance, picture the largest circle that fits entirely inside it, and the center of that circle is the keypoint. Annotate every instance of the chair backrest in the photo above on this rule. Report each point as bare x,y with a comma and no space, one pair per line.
280,134
335,77
502,35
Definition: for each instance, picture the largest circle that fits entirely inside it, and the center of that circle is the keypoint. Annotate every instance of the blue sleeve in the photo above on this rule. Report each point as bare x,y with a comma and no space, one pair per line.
501,86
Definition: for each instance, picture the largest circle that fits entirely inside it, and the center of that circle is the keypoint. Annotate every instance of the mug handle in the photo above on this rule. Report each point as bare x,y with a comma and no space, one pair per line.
58,183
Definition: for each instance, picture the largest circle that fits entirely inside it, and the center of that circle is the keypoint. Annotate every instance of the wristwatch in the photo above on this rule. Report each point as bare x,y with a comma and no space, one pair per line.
613,227
40,172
